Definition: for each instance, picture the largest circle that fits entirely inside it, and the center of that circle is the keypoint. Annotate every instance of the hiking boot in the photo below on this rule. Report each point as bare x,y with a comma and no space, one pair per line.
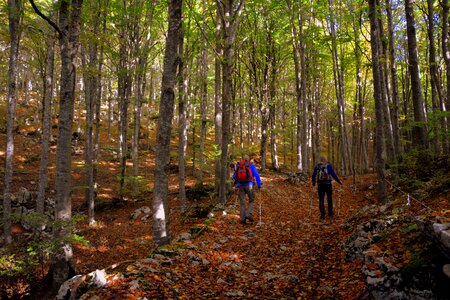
242,222
250,219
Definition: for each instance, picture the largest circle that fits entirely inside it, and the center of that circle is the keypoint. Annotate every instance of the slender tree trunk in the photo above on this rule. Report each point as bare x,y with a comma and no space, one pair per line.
14,17
69,24
434,76
446,53
160,227
182,123
229,10
389,139
272,113
97,108
218,102
91,93
380,163
298,51
394,80
203,97
46,122
339,87
419,128
124,91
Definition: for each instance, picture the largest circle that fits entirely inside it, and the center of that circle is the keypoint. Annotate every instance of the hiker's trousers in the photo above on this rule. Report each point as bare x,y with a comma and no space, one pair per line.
328,190
246,210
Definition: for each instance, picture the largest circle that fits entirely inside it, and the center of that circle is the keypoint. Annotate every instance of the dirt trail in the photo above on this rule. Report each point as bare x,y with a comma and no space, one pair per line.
291,254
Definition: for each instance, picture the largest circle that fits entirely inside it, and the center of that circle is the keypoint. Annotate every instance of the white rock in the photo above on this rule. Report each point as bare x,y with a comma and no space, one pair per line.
445,238
446,270
70,285
99,278
438,227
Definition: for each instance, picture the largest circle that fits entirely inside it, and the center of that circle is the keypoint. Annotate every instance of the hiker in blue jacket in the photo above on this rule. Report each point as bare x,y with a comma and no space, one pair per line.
324,172
244,177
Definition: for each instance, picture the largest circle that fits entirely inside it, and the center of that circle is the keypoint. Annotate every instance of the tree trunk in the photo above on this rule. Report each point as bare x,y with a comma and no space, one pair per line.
298,67
203,97
229,11
160,227
394,80
69,24
434,76
419,128
339,87
123,91
272,110
446,54
182,123
389,139
91,93
218,102
374,35
14,17
46,122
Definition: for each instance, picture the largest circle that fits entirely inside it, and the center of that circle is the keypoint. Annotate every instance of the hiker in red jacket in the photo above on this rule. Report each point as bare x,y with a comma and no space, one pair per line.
244,176
324,172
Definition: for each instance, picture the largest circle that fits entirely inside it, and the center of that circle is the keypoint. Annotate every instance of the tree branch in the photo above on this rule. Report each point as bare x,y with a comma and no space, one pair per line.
38,12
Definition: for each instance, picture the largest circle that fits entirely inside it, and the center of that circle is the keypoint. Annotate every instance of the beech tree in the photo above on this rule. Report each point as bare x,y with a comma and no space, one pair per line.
160,226
14,17
419,128
374,13
229,11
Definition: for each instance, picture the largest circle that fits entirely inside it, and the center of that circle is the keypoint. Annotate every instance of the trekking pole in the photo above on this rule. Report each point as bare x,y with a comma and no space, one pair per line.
260,208
310,201
236,196
339,202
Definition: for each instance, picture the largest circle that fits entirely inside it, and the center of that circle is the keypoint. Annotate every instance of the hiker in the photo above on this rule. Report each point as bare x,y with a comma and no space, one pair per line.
244,176
324,172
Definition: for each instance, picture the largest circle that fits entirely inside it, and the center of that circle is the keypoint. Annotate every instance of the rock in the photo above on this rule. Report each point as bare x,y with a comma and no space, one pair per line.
446,270
445,238
185,236
438,227
143,212
69,288
99,278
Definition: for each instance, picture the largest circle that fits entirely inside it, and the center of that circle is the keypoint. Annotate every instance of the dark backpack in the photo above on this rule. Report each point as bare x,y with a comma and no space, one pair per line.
322,173
243,172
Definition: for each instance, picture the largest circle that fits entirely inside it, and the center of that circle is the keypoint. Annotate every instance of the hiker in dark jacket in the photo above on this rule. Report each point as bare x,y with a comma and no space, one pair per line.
245,182
324,172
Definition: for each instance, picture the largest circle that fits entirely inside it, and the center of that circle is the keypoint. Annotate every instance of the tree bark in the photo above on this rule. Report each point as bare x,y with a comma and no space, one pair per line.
69,24
446,53
14,17
217,102
434,76
160,227
182,123
91,93
46,122
374,35
229,12
339,87
419,128
394,80
203,97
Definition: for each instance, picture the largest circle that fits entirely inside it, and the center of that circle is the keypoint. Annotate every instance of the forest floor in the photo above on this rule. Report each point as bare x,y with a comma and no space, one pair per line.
287,253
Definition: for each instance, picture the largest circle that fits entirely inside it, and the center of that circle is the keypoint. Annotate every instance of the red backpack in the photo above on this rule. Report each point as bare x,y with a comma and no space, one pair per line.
243,172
